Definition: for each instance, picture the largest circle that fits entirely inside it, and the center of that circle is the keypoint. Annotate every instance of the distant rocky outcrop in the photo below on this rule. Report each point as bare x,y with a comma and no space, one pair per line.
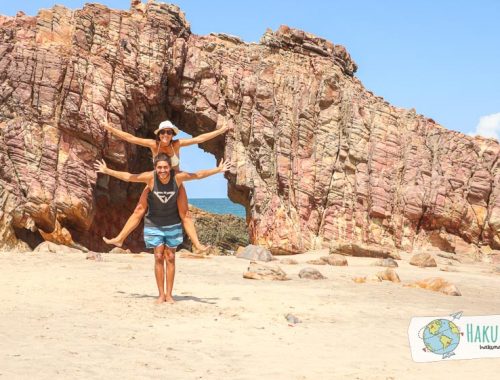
224,231
316,158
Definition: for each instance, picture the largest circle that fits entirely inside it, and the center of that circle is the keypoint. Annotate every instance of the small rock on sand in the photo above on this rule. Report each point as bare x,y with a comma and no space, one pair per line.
448,268
120,250
97,256
311,274
292,318
316,262
288,261
359,279
185,254
423,259
48,246
388,262
388,275
437,284
335,259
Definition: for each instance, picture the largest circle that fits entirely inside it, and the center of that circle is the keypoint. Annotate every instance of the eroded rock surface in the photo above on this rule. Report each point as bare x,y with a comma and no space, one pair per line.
316,158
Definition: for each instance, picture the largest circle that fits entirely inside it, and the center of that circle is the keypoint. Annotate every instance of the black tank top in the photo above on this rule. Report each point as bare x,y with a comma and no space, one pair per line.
162,203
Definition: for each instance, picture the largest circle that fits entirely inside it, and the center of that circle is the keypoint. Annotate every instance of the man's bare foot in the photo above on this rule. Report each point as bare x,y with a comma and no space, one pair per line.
115,241
160,299
169,299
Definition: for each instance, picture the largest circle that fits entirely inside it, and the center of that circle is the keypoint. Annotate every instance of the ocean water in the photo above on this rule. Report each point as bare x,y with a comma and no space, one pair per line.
218,206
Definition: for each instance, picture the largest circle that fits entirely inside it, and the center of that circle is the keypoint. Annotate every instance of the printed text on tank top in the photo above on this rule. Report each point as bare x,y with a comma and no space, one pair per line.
163,196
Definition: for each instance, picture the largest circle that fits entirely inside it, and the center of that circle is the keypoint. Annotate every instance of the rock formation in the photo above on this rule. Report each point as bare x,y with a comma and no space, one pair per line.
316,157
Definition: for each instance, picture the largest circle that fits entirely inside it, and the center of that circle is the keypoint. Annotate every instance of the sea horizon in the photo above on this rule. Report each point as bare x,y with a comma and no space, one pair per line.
219,206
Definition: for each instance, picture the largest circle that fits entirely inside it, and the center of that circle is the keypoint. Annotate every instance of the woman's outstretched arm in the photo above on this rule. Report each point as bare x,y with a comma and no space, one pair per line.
204,137
101,167
149,143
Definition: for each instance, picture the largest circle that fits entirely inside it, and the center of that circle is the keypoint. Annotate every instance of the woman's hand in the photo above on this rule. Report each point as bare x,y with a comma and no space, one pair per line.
224,166
227,128
100,167
106,126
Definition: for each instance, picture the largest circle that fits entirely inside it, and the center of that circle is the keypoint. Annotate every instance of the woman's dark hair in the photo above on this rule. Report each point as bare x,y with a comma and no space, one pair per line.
162,157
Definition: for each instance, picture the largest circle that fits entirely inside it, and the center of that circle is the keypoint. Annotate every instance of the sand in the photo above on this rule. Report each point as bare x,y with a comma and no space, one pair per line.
62,316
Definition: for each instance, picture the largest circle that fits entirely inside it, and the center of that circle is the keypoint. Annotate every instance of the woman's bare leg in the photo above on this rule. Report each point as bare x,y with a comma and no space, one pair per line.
160,272
169,254
132,222
187,222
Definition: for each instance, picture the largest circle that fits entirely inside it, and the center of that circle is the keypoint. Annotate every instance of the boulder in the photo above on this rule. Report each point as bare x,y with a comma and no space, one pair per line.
255,253
257,271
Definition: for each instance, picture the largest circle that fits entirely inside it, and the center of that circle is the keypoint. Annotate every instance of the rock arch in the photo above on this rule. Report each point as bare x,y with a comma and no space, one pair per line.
316,157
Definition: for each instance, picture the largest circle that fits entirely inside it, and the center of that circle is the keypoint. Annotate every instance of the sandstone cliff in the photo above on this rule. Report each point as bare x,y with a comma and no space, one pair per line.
316,157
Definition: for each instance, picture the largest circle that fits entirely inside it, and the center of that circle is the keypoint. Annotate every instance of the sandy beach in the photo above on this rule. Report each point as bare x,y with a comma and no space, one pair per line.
63,316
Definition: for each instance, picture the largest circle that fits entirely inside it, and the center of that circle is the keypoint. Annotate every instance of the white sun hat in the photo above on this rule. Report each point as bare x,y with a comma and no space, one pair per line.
165,125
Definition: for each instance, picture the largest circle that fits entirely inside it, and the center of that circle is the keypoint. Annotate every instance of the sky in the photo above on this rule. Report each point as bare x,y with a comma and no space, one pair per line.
441,57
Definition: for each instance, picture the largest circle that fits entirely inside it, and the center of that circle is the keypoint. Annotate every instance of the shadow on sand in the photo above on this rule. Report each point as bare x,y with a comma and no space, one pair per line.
176,298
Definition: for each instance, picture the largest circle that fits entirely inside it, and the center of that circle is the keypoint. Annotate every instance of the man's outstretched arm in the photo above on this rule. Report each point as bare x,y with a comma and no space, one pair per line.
184,176
101,167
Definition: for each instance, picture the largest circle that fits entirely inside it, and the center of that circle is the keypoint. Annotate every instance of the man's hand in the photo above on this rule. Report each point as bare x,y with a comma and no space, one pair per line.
224,166
100,167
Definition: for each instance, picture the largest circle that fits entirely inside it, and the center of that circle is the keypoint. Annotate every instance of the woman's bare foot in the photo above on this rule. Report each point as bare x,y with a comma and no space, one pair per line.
169,299
160,299
115,241
201,249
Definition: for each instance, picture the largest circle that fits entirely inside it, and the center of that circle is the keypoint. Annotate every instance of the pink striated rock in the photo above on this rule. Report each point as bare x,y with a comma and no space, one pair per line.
317,158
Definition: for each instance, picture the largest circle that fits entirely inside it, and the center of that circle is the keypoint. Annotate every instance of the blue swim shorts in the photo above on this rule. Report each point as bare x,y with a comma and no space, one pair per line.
170,236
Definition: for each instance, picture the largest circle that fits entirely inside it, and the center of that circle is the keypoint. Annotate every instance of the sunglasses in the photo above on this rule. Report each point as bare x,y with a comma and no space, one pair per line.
167,131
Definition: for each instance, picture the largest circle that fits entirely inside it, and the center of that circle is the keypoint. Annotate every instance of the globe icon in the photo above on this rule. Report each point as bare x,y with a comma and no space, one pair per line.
441,337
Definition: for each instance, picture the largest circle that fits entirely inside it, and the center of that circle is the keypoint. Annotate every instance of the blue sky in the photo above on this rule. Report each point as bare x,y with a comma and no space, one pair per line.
440,57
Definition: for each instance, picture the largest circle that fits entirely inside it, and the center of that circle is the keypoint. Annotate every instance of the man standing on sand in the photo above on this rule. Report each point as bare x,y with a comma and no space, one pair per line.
162,223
